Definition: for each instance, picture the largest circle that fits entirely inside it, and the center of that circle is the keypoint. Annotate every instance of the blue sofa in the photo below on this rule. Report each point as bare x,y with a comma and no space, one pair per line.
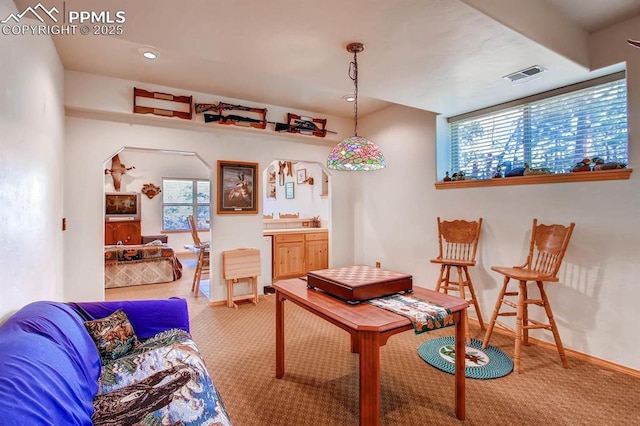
51,371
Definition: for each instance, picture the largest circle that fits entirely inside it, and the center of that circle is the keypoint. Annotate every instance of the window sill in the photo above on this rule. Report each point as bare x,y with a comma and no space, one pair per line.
619,174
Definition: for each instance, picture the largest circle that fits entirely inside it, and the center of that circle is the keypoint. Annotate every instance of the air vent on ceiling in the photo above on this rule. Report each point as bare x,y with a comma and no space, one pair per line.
526,74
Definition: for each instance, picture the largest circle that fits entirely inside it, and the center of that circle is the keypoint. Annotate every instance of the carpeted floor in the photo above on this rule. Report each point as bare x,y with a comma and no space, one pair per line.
320,386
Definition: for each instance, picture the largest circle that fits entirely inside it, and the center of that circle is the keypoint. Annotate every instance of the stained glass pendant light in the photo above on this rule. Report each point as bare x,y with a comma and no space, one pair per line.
355,152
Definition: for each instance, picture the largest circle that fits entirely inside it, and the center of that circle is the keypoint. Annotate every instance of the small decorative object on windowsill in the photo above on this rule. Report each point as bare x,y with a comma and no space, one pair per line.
611,165
458,176
528,171
150,190
509,172
597,163
447,178
582,166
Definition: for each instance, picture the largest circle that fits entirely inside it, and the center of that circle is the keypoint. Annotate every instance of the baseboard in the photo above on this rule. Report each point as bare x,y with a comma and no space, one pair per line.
580,355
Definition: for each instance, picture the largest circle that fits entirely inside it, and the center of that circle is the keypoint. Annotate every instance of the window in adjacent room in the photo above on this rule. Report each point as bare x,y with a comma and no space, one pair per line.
553,130
184,197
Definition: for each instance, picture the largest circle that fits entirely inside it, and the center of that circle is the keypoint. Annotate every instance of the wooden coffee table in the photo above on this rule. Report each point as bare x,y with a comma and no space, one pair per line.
369,327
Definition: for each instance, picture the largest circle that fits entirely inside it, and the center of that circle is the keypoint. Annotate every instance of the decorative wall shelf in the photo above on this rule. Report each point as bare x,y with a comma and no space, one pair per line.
619,174
152,120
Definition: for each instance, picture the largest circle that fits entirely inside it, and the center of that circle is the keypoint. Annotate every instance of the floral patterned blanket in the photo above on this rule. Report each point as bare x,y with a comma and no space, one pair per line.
123,256
423,315
163,381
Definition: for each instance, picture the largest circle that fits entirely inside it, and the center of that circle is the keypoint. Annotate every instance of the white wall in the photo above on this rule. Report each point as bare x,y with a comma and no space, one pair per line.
151,167
31,139
595,302
308,200
90,142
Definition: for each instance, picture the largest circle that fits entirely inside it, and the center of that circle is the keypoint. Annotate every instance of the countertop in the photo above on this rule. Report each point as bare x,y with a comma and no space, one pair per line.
293,230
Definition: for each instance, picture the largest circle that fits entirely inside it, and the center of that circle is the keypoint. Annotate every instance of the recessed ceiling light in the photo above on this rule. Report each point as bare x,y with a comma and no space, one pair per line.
148,53
349,97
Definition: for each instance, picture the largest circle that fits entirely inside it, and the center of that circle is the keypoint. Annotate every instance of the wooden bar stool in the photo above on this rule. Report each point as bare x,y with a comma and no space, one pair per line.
203,267
546,250
457,246
243,263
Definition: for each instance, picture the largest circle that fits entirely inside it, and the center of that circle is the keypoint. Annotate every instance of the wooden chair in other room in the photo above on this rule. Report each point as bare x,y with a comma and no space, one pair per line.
203,265
457,246
546,250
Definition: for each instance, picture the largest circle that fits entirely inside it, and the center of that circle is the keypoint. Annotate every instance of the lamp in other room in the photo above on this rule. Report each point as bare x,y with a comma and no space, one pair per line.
355,152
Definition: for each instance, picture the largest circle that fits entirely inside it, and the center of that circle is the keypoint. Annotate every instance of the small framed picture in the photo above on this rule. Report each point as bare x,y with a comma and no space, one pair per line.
302,176
288,191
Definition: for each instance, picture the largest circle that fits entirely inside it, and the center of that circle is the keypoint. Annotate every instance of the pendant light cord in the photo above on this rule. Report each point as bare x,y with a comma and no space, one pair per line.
353,75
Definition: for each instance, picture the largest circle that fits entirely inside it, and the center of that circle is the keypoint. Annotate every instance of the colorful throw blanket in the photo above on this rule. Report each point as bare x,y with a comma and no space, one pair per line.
163,381
424,316
133,253
123,255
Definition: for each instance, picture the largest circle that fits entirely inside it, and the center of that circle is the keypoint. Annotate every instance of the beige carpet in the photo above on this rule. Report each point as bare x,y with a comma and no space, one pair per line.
320,386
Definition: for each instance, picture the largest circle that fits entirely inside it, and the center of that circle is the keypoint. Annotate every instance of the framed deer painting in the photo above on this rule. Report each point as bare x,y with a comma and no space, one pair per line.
237,187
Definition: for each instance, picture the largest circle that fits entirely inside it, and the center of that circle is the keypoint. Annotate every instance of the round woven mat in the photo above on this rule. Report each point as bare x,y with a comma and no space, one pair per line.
489,363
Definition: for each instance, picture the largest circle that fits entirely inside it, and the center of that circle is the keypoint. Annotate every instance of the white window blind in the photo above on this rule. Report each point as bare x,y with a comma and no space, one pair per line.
182,198
551,130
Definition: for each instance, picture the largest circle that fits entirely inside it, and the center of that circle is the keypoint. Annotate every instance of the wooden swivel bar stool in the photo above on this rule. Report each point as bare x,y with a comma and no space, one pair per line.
546,250
457,246
203,267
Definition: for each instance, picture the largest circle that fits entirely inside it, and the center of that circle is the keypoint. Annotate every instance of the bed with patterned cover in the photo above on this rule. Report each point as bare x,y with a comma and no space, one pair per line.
129,265
105,363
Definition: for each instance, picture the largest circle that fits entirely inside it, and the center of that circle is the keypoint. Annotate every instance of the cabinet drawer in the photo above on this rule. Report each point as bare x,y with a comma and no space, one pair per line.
288,238
314,236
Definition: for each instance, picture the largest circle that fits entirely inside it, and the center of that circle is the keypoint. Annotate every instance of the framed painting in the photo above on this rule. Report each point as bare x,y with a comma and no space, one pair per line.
302,176
288,191
237,187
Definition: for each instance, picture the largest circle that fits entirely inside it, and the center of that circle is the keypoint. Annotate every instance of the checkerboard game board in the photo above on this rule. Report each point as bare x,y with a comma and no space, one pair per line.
359,282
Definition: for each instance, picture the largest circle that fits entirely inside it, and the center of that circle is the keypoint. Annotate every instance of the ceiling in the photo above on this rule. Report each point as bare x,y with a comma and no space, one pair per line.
446,56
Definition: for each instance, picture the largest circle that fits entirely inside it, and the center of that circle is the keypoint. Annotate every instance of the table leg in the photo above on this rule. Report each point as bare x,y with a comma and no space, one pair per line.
354,343
279,335
459,366
369,346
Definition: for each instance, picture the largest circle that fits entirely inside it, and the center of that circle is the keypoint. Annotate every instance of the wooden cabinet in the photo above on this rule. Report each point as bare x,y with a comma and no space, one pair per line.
295,254
288,256
128,232
316,251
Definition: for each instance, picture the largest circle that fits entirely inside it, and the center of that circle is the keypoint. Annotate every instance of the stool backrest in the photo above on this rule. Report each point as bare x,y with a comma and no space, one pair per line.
458,239
547,247
194,232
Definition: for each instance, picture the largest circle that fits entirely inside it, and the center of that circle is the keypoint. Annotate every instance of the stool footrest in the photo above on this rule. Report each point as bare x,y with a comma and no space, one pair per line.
510,303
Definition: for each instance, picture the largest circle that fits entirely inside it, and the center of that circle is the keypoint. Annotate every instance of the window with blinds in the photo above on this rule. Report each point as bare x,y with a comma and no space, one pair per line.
182,198
554,130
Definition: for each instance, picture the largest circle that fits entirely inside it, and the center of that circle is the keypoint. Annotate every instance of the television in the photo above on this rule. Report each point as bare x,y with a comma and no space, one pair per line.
122,206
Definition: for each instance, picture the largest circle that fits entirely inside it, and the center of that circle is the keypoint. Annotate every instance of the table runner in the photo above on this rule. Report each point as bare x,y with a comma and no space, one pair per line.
424,316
